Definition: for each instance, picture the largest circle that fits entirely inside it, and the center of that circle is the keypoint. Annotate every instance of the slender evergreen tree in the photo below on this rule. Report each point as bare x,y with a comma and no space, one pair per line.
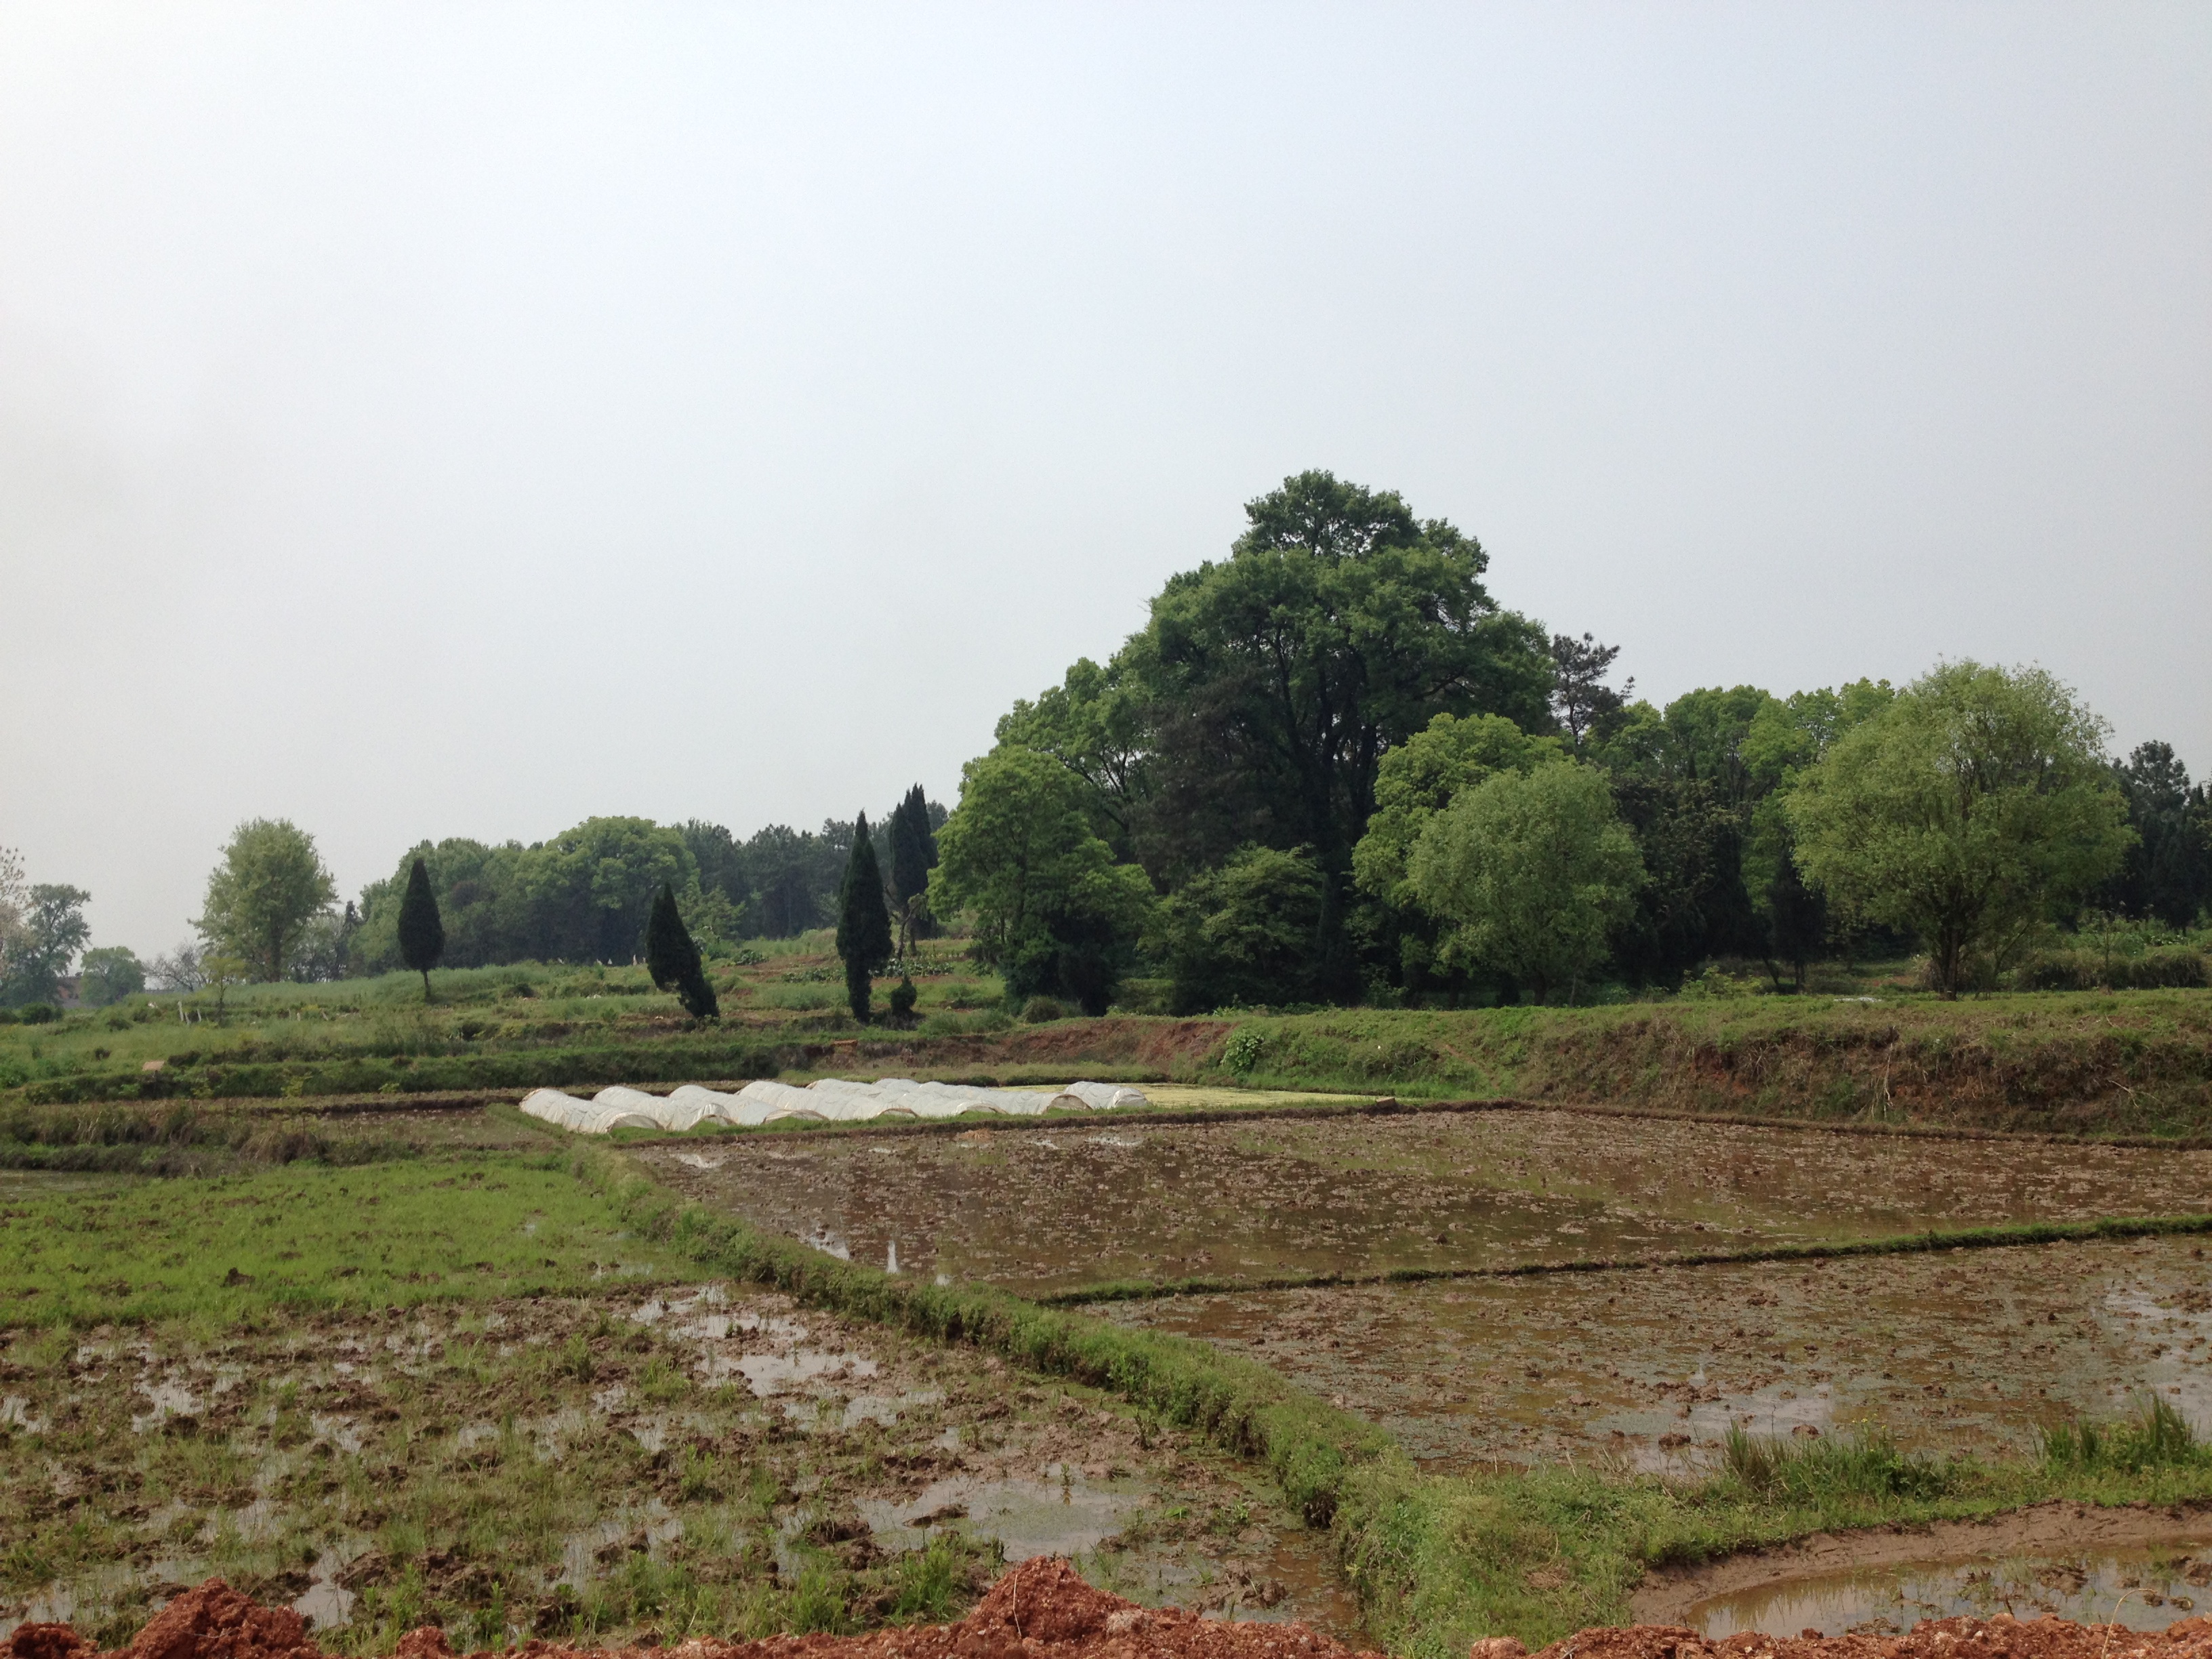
864,920
422,931
914,851
673,958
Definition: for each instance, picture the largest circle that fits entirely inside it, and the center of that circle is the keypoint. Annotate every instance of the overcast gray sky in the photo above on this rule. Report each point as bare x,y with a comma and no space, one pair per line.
462,419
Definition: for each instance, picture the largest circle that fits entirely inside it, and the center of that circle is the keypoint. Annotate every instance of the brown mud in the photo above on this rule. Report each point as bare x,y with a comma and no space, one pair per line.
1947,1350
1053,1208
1041,1609
523,1465
1672,1595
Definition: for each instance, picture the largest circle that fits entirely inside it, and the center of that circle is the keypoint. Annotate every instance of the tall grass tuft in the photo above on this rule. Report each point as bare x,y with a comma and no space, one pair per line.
2157,1435
1867,1466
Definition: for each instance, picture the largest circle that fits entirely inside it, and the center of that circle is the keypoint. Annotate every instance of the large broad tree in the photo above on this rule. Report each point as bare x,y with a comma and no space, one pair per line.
50,931
109,975
1419,779
1049,905
269,885
1277,680
1977,806
1533,871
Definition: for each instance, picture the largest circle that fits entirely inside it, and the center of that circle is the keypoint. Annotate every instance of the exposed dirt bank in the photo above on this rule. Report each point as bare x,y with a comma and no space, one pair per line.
1038,1610
1667,1595
2001,1637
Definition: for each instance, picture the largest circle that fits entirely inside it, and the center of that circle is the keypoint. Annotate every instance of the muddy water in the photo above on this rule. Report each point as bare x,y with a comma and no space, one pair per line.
1951,1350
1042,1210
2144,1589
322,1428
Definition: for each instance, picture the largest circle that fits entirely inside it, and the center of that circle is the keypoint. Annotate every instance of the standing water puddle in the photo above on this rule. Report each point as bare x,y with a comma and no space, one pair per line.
2144,1589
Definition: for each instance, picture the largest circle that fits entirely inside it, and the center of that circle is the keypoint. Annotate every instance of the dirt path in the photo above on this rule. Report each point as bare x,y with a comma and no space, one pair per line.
1667,1597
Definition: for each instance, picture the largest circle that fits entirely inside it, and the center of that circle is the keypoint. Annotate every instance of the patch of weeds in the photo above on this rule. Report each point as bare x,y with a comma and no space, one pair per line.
2156,1436
1809,1472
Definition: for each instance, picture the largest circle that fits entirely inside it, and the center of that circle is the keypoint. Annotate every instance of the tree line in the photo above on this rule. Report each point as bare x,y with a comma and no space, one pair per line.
1330,768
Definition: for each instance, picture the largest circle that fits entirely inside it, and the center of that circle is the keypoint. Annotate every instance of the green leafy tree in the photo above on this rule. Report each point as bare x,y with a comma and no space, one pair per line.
422,930
1417,780
1049,905
1256,705
15,899
1974,808
2167,874
50,930
588,891
1339,625
271,884
672,957
109,975
1245,934
864,920
1533,871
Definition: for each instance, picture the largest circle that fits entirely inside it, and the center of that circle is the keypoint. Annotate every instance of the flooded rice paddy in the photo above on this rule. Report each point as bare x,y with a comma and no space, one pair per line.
1953,1350
644,1460
1058,1208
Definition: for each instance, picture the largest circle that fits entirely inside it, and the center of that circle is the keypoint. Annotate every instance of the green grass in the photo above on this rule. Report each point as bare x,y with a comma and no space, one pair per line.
2136,1062
246,1248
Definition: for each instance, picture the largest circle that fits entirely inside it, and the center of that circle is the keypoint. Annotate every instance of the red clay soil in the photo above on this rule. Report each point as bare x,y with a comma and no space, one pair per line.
1037,1610
1041,1610
2001,1637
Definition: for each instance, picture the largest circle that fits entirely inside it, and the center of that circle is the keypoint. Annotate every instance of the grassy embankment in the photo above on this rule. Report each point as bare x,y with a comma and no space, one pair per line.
2130,1062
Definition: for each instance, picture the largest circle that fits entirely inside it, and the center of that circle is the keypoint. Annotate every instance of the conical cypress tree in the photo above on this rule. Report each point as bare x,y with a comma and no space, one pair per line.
422,930
864,920
673,958
914,853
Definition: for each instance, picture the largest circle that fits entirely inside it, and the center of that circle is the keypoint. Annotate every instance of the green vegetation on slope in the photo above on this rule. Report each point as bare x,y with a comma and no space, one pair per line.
249,1247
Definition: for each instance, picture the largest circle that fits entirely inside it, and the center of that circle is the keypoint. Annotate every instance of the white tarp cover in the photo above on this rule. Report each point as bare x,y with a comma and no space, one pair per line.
587,1117
836,1100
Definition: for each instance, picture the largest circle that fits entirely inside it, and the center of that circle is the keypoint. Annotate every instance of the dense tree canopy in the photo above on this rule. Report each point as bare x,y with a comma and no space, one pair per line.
1256,706
46,930
1975,806
1020,858
1532,870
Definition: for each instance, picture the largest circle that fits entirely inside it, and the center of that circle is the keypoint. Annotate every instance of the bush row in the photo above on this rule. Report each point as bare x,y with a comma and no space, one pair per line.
2175,967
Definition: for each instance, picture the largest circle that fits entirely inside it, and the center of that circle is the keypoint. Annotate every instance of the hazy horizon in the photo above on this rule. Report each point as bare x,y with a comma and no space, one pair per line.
420,421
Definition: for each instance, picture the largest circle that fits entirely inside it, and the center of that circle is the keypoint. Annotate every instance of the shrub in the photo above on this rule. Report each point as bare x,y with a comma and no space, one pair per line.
1242,1053
1038,1010
38,1014
902,1000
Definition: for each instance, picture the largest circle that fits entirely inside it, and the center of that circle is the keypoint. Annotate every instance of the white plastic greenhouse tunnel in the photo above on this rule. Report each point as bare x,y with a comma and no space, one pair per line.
829,1100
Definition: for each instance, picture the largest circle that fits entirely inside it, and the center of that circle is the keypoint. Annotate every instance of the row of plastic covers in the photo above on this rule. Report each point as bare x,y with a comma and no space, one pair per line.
830,1099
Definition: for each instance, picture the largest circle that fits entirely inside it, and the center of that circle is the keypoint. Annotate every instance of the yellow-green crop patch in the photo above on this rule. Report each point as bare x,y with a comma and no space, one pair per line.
309,1237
